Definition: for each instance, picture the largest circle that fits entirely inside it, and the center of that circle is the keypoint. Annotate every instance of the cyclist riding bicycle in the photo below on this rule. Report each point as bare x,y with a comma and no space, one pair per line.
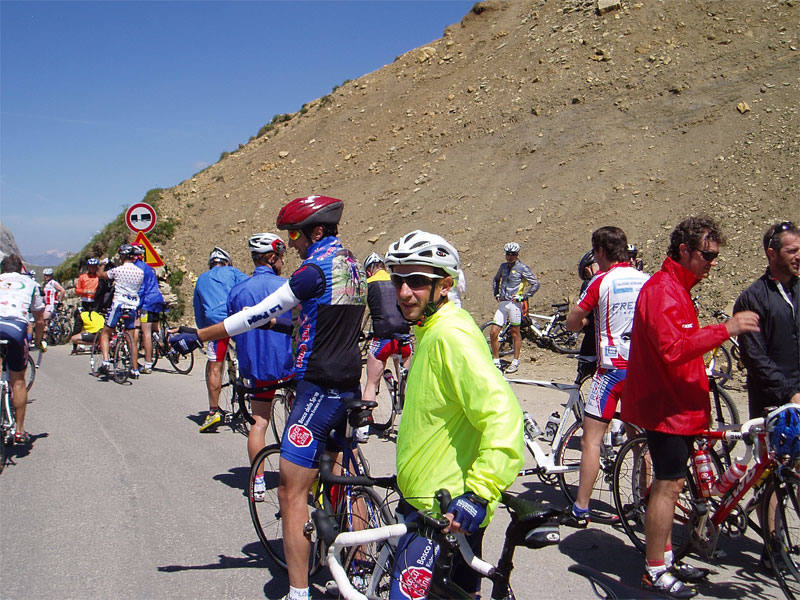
511,292
330,287
127,281
265,357
462,425
19,299
391,332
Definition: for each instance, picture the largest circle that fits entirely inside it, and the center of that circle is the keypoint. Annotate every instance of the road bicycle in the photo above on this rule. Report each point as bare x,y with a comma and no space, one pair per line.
8,424
182,363
547,331
59,329
702,515
532,525
120,350
385,414
354,505
562,463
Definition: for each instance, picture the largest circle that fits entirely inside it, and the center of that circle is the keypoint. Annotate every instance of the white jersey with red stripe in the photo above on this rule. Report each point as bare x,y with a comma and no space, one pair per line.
612,296
50,293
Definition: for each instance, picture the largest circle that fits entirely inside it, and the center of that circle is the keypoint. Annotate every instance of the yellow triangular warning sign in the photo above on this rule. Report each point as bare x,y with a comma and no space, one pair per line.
151,257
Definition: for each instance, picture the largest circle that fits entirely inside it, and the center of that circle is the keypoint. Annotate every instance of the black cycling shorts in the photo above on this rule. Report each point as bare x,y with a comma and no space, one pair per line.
669,453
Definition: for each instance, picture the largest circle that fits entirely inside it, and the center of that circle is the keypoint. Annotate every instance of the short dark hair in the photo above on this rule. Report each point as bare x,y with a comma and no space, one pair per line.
613,241
775,240
11,264
692,232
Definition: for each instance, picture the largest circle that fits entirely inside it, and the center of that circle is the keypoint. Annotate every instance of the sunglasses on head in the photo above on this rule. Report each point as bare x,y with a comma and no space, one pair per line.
708,255
414,280
779,229
294,235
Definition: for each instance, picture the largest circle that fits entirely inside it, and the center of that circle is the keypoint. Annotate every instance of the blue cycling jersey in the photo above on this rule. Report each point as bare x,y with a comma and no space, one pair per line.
211,294
265,355
332,289
150,298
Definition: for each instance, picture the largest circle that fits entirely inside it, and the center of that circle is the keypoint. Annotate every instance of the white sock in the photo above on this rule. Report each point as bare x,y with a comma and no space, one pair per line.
298,594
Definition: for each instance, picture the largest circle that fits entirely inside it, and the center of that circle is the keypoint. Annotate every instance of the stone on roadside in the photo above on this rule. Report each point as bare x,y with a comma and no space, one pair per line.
604,6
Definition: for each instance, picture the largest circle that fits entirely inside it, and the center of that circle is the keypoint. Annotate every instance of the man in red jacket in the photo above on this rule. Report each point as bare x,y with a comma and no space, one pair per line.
666,389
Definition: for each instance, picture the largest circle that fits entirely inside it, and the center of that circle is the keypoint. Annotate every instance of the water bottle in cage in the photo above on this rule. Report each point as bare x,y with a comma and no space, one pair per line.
704,471
729,478
551,427
532,430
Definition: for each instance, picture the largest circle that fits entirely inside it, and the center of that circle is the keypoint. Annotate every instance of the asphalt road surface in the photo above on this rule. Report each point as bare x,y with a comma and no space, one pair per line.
120,496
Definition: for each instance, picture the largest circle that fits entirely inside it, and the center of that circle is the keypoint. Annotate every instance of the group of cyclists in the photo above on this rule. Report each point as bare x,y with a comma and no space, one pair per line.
461,427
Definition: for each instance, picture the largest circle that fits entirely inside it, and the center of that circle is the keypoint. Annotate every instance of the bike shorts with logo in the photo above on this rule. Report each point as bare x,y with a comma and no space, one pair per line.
217,350
508,309
315,413
382,349
605,393
149,317
16,332
669,453
116,315
413,566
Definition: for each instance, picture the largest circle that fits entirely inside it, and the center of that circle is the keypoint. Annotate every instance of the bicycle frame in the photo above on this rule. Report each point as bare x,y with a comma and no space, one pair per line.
545,461
547,320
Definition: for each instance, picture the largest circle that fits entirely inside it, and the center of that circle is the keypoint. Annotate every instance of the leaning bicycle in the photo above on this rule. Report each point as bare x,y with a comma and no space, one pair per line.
547,331
182,363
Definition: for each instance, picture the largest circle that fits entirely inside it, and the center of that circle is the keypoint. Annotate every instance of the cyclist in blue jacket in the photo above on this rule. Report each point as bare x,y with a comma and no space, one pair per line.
265,356
210,307
151,304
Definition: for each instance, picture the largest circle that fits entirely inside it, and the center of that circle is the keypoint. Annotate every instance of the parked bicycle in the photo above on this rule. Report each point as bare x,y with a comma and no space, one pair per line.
710,506
59,329
182,363
547,331
354,505
120,351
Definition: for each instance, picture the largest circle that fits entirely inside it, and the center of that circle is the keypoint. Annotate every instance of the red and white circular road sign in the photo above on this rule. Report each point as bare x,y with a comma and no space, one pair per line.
140,217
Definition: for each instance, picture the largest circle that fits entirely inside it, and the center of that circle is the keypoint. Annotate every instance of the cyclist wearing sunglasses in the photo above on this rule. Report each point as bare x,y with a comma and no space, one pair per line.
331,289
461,427
511,292
772,355
666,388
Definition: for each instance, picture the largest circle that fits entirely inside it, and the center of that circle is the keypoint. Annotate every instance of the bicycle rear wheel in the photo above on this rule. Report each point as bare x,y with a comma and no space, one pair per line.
505,342
266,515
123,358
95,356
563,340
633,478
30,373
183,363
6,425
568,454
64,329
783,544
723,412
279,412
156,348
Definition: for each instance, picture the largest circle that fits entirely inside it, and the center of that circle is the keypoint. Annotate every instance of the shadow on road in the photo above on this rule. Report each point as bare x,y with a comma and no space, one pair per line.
237,478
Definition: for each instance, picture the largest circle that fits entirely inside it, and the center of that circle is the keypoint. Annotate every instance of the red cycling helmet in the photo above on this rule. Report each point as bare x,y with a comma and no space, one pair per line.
309,212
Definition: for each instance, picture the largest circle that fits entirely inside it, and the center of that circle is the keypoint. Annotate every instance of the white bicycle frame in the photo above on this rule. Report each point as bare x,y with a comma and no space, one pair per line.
550,320
545,461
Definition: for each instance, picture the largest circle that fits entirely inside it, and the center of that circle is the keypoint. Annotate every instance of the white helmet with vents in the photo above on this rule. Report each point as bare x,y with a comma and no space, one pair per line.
262,243
422,248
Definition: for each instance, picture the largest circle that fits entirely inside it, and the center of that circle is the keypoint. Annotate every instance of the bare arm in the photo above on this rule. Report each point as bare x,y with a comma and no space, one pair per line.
576,319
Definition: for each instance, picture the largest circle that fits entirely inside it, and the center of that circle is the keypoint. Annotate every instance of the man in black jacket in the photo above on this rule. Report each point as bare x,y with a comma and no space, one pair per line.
772,355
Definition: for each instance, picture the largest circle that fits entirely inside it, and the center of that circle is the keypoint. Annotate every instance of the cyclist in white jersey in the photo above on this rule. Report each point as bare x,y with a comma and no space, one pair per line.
19,299
127,281
53,294
611,296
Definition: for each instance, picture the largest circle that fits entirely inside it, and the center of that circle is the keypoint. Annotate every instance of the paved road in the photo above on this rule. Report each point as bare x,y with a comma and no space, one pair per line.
121,497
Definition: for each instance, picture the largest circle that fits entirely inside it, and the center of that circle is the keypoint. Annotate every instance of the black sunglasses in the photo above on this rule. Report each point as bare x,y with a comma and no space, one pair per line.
779,229
414,280
512,253
708,255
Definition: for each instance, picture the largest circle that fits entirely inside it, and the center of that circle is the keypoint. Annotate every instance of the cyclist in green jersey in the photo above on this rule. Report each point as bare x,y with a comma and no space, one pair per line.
462,425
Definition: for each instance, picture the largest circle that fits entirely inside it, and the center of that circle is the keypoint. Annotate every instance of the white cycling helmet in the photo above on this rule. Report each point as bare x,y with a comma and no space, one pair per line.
372,259
511,247
422,248
219,255
47,271
261,243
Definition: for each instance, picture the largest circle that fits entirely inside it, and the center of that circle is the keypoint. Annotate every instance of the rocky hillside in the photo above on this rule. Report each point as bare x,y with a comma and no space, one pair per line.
536,121
8,245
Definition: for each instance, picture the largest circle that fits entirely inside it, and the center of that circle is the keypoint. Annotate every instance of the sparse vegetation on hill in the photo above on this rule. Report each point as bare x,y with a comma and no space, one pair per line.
536,121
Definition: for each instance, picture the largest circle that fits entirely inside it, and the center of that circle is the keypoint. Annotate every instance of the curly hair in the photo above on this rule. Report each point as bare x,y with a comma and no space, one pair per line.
693,232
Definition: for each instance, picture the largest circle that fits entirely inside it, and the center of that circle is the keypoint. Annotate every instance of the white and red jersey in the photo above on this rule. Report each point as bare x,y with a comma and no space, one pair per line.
612,296
51,289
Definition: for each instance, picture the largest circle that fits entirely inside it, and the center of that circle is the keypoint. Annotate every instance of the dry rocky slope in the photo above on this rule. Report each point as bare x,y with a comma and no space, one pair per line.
537,122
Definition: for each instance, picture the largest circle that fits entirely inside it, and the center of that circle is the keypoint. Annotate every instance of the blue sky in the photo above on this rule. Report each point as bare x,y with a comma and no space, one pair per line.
102,101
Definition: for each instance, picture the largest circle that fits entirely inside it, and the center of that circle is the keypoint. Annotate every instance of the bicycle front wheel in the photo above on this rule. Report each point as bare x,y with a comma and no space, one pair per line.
633,478
156,349
504,340
123,358
95,356
30,373
182,363
568,454
266,515
783,542
563,340
6,425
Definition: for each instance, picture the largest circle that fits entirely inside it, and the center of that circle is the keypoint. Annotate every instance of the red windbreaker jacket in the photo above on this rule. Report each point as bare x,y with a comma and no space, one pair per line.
666,387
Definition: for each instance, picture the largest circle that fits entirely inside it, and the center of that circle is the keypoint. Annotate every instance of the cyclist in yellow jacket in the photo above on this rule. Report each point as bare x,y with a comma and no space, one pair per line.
462,425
